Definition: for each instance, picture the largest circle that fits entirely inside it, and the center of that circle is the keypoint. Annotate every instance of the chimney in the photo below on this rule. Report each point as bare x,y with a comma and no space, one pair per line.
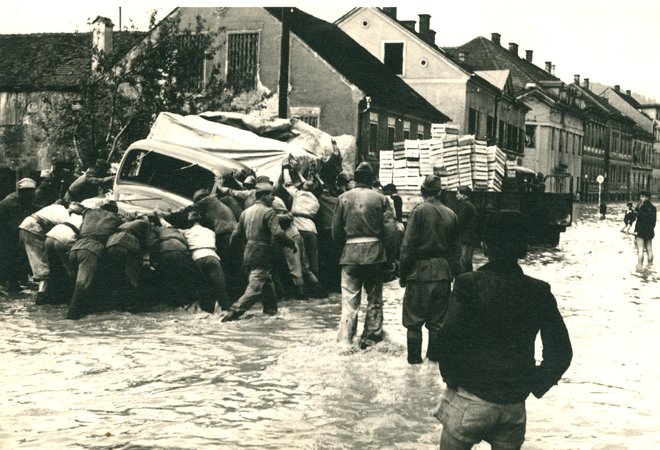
495,38
528,55
617,88
586,83
576,79
430,37
390,11
462,55
513,48
409,24
101,39
548,66
628,92
553,69
424,23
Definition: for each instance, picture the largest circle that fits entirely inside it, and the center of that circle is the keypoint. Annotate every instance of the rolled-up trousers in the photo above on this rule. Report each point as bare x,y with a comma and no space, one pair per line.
353,279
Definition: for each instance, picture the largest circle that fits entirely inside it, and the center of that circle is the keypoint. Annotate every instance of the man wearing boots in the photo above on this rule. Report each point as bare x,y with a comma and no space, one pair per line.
259,226
361,225
429,260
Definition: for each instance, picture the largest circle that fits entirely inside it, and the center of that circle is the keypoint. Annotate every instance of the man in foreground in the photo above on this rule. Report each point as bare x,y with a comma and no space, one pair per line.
488,334
644,229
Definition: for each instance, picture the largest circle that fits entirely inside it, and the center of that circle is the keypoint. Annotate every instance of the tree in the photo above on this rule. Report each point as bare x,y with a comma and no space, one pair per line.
117,103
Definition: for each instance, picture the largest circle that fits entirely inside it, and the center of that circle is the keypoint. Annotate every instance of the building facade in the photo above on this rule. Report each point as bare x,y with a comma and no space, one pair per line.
479,102
333,83
554,122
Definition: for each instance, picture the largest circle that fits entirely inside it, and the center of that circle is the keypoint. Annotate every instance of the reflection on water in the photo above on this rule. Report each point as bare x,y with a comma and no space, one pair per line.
181,379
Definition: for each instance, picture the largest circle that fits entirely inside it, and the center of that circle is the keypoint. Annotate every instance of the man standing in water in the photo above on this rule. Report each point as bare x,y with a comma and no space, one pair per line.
644,229
360,225
429,261
488,334
467,222
259,226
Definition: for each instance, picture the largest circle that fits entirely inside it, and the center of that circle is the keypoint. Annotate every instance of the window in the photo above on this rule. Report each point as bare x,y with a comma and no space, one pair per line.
308,114
193,65
473,121
490,127
391,129
501,135
530,136
373,133
242,54
394,57
164,172
406,129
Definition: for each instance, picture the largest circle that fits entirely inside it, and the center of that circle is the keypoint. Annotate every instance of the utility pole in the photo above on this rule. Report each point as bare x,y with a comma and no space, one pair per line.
284,66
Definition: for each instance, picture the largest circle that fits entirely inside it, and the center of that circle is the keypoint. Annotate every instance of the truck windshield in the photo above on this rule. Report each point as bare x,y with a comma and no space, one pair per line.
164,172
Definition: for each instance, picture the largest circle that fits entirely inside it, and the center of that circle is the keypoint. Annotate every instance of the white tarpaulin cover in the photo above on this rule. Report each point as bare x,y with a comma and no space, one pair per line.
263,155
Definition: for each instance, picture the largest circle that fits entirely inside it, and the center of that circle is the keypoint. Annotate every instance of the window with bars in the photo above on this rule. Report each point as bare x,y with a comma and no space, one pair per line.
242,59
192,66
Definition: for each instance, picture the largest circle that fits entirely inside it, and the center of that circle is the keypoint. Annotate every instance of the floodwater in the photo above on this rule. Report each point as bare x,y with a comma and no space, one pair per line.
184,380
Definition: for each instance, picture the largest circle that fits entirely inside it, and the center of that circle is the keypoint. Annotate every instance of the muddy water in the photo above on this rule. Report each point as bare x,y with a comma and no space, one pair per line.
182,379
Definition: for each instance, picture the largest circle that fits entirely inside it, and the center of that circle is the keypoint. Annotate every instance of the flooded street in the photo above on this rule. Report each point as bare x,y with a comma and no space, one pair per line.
183,380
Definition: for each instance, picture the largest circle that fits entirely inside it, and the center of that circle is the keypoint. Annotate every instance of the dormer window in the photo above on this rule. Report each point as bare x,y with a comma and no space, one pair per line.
393,56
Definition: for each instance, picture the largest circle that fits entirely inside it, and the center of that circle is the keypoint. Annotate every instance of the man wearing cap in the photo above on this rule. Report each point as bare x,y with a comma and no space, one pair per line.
247,196
87,252
467,223
488,334
259,226
90,183
304,208
429,261
32,232
645,229
362,224
14,208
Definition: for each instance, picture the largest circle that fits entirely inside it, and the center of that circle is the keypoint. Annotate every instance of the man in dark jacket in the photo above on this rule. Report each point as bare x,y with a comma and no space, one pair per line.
14,208
97,226
258,225
488,335
364,224
645,229
429,261
467,224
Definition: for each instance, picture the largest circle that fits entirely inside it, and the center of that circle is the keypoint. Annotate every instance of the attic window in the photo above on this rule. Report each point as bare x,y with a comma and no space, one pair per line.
423,62
393,59
365,24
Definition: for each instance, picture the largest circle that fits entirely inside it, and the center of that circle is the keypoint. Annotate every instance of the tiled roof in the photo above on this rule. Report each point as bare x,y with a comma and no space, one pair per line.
597,103
358,65
483,54
628,99
51,61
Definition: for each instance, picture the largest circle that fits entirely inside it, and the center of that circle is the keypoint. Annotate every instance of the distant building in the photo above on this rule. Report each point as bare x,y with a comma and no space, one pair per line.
36,67
554,122
653,111
480,102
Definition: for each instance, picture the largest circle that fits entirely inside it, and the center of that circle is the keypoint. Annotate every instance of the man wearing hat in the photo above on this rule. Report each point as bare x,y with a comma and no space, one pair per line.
247,196
363,224
259,226
14,208
645,229
90,183
467,223
488,334
429,262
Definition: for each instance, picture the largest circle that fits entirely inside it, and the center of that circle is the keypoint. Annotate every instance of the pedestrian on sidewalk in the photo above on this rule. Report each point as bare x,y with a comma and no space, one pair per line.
644,229
429,261
488,336
602,209
629,218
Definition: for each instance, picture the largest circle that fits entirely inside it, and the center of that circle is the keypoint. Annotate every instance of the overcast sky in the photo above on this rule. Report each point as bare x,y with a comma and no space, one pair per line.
611,42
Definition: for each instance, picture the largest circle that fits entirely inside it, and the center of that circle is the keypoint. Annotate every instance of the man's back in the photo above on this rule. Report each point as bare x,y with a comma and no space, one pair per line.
360,213
489,333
